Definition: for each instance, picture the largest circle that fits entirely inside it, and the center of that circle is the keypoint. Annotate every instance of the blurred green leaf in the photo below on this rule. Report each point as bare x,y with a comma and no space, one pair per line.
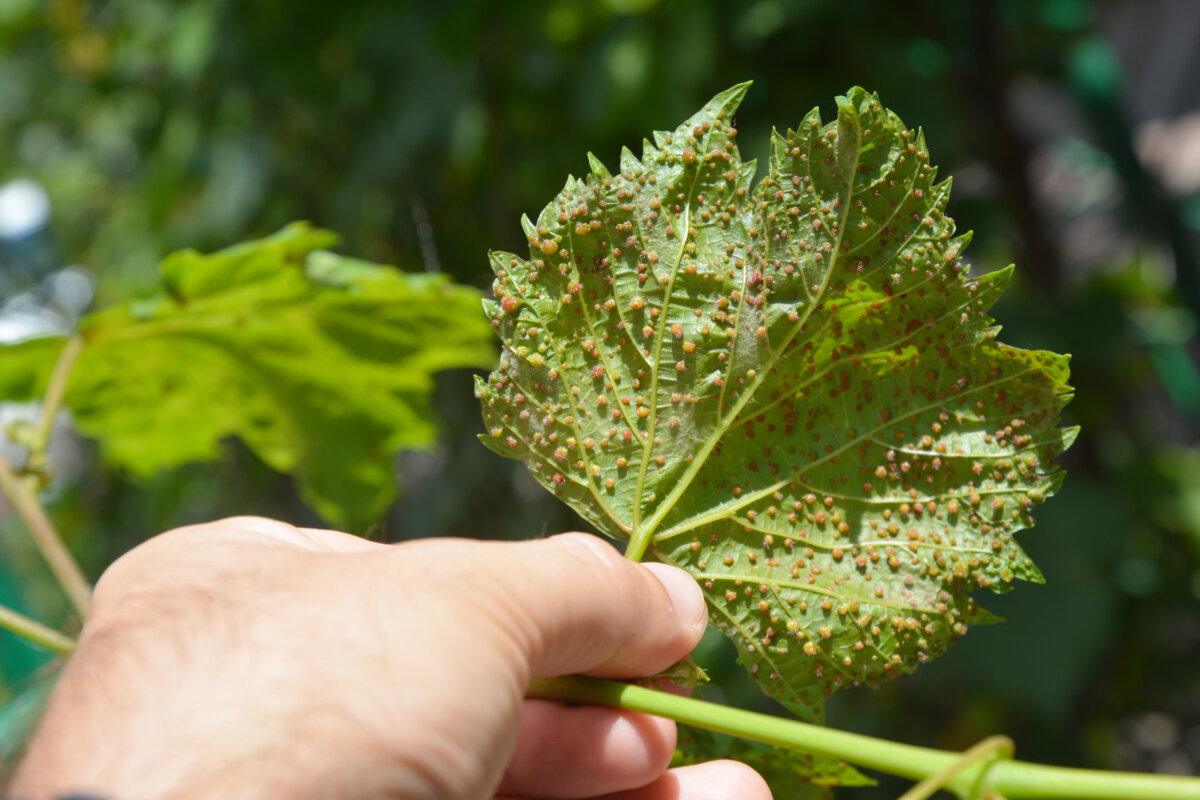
322,364
791,774
1175,492
22,711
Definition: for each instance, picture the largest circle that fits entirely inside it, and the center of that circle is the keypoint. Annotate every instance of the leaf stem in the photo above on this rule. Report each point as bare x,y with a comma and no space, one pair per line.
1013,779
638,542
25,502
35,631
56,390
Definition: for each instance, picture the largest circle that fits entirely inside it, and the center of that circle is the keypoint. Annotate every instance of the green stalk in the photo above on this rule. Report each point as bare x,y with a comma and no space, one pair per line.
35,631
63,565
1012,779
638,542
22,494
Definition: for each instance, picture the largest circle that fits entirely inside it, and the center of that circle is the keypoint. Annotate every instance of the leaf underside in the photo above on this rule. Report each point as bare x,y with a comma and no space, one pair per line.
791,390
322,364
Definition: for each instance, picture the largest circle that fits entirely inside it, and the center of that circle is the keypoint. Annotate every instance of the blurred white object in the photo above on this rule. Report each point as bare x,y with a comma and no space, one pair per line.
1170,149
65,454
37,299
24,209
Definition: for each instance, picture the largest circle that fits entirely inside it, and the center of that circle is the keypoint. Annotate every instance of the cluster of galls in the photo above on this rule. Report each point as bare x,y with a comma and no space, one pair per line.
794,392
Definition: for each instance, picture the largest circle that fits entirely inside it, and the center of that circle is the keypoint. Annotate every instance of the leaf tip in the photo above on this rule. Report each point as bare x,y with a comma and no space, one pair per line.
1069,435
720,107
598,168
732,97
629,162
1003,275
854,97
528,226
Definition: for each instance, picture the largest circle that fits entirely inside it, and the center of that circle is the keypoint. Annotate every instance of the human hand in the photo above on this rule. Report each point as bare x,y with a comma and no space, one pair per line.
248,658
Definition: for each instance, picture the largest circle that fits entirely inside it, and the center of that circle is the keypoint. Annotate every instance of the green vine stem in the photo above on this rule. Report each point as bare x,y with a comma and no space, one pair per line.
63,565
35,631
1012,779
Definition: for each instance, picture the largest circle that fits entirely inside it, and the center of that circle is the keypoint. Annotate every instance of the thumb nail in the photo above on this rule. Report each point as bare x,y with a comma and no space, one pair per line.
685,594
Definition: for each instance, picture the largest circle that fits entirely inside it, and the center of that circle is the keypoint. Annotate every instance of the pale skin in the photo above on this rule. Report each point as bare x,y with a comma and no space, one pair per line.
248,659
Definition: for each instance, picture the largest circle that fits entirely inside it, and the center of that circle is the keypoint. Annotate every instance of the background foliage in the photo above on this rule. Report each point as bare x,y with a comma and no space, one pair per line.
422,131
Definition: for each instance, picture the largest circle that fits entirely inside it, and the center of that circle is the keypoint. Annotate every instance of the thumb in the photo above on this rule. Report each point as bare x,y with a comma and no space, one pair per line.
588,610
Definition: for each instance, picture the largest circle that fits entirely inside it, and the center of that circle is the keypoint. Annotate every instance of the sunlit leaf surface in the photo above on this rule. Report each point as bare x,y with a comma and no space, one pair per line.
792,390
322,364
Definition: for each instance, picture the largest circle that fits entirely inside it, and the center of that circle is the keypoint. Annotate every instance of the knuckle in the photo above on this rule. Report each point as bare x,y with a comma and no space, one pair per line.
588,548
249,522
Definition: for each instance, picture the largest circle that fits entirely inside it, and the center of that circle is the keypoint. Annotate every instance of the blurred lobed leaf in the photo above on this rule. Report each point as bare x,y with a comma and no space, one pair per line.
322,364
792,390
1173,490
789,773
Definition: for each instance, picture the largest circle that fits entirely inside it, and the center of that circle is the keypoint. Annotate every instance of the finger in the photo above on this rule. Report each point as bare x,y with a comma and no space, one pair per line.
586,609
579,751
715,780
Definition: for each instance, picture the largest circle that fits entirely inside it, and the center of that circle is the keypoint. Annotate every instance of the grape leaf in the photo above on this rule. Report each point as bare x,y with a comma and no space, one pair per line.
321,363
792,390
789,773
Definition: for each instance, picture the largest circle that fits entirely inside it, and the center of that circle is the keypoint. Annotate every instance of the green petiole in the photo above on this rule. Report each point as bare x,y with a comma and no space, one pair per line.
968,775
